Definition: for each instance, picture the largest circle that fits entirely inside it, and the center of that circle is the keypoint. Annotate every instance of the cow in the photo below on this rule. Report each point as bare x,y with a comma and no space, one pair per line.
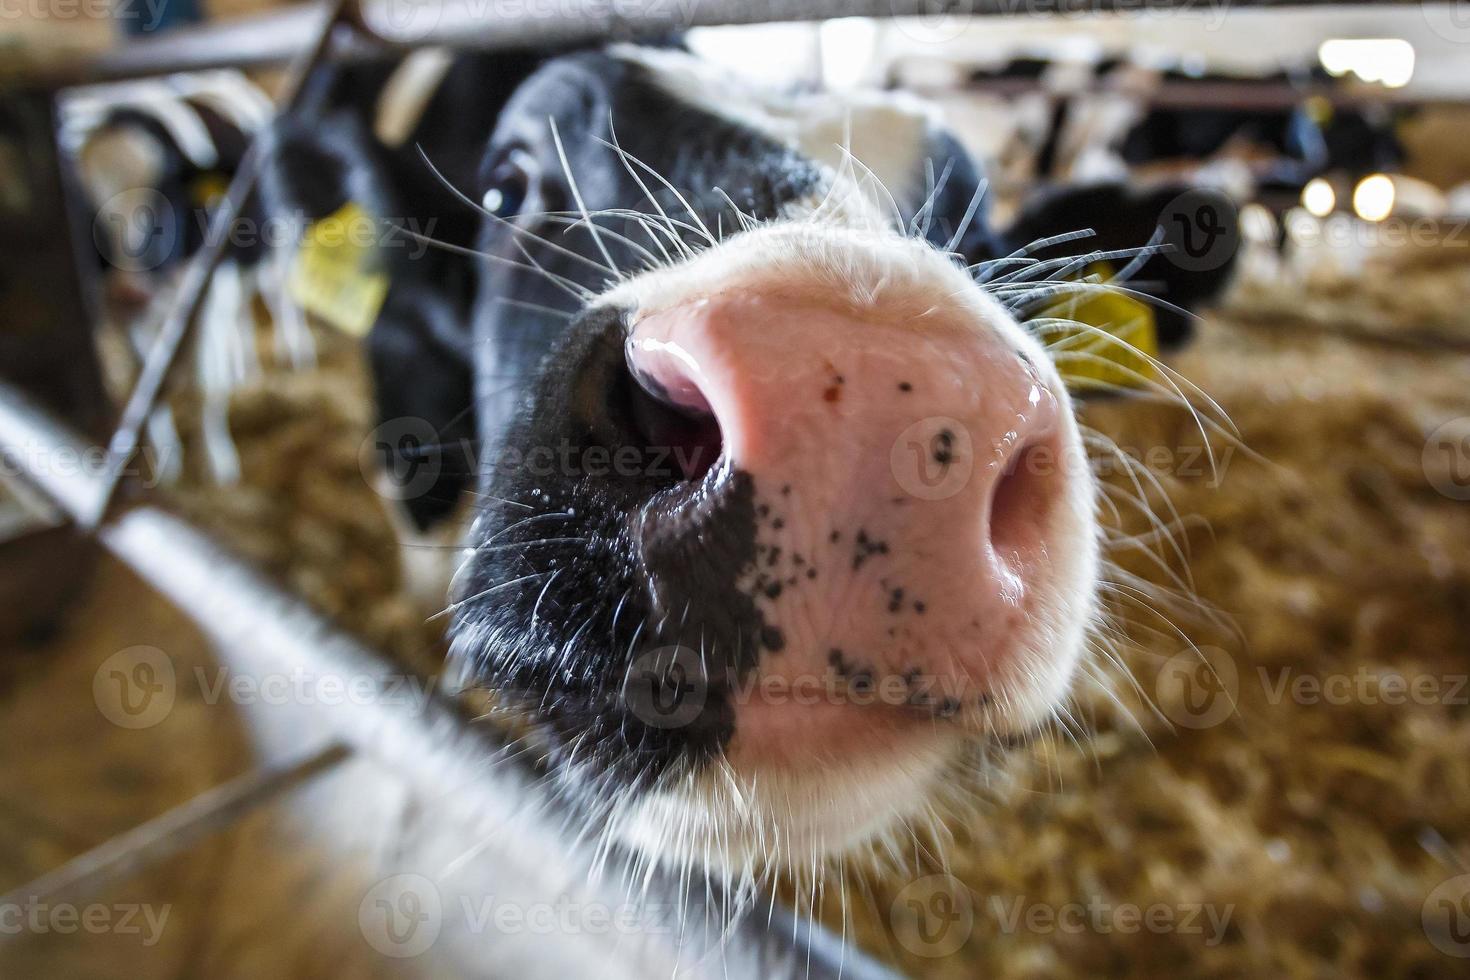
781,516
152,159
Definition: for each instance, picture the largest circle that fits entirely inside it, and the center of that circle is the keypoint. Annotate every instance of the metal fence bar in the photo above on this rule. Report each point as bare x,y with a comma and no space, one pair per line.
280,36
431,743
1222,94
173,831
253,41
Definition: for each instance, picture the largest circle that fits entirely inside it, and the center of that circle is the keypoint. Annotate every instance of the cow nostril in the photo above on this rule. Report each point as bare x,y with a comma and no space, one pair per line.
1020,502
674,419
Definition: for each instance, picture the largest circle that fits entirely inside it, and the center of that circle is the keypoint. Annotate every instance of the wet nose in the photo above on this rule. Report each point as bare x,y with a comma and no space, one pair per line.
935,437
915,464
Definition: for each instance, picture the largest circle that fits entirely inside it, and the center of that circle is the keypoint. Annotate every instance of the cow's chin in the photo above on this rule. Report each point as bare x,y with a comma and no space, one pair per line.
795,790
747,822
753,811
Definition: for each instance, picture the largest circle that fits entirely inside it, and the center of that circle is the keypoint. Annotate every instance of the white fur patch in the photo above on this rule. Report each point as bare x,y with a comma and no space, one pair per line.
885,132
225,359
187,130
229,93
113,160
426,559
120,159
743,823
234,97
407,94
859,267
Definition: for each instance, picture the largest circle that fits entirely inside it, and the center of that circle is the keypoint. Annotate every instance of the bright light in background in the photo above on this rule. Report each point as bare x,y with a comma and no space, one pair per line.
1373,198
1318,197
776,54
847,51
1389,60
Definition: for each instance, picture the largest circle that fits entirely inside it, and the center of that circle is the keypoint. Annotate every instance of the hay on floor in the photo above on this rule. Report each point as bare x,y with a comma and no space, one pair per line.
1298,835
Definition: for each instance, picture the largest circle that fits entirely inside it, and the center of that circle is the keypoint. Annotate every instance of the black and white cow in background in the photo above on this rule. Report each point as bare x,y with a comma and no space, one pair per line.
395,137
782,519
180,139
1279,149
152,159
1103,123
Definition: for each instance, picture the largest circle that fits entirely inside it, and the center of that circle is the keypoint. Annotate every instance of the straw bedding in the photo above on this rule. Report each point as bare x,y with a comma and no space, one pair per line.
1321,814
1298,836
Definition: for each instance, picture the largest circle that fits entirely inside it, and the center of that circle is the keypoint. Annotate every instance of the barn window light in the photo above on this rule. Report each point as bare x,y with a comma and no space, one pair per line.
1373,198
847,51
1318,197
775,54
1389,60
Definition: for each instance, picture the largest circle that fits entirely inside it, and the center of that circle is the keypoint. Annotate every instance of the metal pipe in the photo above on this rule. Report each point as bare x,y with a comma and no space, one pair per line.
431,742
259,40
173,831
279,36
1241,94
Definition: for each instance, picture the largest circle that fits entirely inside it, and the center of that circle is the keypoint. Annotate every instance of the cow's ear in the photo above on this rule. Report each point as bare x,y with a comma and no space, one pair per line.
958,219
1176,242
394,97
314,167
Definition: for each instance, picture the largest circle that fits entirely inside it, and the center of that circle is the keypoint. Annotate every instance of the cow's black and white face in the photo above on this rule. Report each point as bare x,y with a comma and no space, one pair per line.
782,513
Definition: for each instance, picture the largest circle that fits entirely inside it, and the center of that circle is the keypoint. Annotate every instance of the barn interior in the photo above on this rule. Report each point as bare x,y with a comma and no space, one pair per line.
1266,771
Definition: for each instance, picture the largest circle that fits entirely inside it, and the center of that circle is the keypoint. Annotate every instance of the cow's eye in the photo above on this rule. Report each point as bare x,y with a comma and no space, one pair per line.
511,184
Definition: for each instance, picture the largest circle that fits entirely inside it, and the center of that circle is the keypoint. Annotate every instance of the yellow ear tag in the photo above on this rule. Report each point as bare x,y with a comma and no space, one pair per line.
338,275
1320,109
1116,350
206,189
